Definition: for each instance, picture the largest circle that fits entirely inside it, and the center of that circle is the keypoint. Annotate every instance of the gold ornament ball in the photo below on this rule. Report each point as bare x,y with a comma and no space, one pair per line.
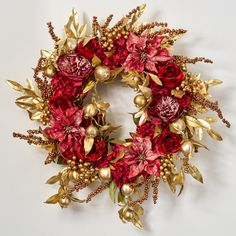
64,202
128,214
92,131
187,148
140,101
102,73
179,125
90,110
127,190
50,71
105,174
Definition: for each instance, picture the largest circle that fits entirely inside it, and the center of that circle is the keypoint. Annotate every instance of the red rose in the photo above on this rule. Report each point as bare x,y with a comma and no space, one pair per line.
98,150
120,173
170,74
74,66
167,143
146,130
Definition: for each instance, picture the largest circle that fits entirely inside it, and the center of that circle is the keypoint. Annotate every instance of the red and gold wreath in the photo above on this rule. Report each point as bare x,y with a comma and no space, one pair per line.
77,135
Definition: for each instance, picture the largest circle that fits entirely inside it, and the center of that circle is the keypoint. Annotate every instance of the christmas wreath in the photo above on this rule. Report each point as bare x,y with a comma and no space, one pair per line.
77,135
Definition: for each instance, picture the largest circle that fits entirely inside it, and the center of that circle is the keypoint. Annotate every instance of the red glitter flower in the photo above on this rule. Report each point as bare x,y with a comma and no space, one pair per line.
65,128
141,158
144,53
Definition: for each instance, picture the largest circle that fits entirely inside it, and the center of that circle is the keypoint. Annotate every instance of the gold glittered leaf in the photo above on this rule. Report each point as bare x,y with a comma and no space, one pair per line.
215,135
155,79
53,179
53,199
196,174
88,144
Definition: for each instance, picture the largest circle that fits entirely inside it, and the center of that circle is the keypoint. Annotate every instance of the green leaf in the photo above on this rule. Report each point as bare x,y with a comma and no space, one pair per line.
112,191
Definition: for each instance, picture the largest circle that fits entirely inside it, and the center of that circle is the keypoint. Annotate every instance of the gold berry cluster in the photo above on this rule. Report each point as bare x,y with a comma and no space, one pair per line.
83,171
167,167
191,84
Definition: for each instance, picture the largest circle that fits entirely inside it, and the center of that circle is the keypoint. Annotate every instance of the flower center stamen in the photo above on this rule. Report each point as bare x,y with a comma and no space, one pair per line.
142,157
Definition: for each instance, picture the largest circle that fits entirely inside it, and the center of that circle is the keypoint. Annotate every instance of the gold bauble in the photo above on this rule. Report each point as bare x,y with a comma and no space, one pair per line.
90,110
128,214
102,73
74,176
64,202
187,148
127,190
92,131
140,101
50,71
179,125
105,174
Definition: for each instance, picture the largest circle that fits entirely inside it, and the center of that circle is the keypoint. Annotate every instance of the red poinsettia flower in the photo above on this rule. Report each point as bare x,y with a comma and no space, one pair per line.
144,53
141,158
65,128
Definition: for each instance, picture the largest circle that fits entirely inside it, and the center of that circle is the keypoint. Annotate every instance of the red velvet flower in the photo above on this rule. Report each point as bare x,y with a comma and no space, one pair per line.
120,173
65,128
168,142
60,101
144,53
170,74
141,158
74,66
146,130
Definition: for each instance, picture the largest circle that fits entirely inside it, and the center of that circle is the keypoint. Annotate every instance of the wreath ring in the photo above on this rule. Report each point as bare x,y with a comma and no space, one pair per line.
78,136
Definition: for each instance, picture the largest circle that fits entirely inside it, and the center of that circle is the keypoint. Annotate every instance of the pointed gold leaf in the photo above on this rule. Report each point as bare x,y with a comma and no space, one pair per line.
90,85
88,144
155,79
53,179
53,199
215,135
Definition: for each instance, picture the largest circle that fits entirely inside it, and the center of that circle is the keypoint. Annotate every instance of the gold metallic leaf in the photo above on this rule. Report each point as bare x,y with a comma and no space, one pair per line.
198,145
53,179
155,79
15,85
74,199
213,82
204,124
82,31
177,93
53,199
88,144
147,92
121,199
90,85
192,121
193,171
143,118
96,61
210,119
215,135
137,222
198,132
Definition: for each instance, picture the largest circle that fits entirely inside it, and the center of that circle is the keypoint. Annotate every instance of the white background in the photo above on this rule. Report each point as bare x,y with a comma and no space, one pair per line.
207,209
